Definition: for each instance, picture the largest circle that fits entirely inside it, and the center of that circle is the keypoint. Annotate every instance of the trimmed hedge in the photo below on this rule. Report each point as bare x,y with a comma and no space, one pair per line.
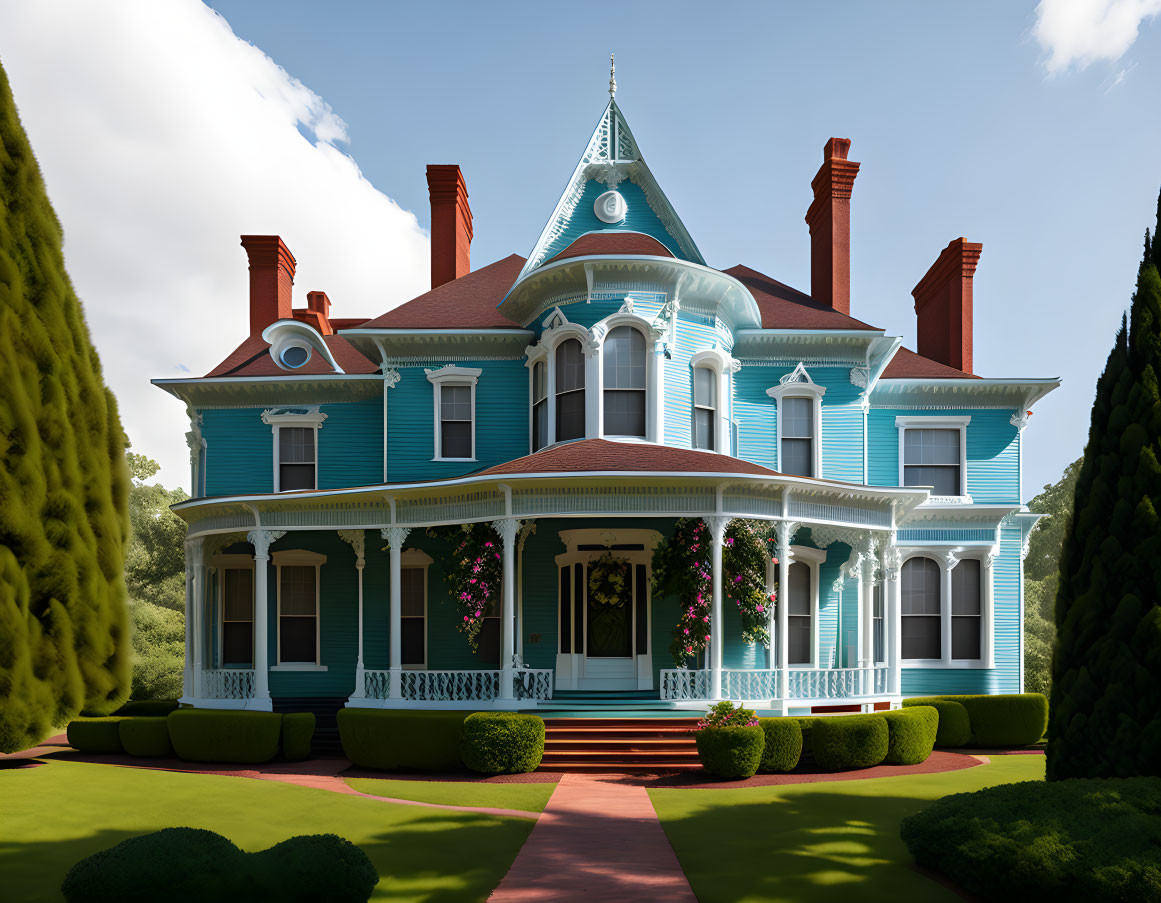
731,752
145,736
297,733
180,865
783,745
844,742
502,742
1075,841
955,728
399,740
148,708
95,735
213,735
1015,719
910,734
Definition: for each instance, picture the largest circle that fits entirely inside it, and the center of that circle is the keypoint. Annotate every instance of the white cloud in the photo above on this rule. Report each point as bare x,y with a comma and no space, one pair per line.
163,137
1080,32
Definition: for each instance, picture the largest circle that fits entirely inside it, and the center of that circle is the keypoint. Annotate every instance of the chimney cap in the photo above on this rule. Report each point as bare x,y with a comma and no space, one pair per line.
836,149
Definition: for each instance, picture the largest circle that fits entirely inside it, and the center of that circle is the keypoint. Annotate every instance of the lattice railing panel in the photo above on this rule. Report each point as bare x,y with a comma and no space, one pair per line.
837,683
227,683
683,683
377,684
533,683
450,685
738,685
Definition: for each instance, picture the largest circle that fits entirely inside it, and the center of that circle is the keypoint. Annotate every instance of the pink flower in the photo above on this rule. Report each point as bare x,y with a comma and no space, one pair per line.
689,649
738,579
687,631
465,617
477,614
760,608
706,619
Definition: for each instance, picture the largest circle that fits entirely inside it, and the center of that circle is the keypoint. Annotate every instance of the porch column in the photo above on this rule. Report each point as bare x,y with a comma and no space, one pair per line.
262,540
395,537
891,564
196,614
717,527
508,528
357,540
786,531
866,612
771,618
187,683
947,563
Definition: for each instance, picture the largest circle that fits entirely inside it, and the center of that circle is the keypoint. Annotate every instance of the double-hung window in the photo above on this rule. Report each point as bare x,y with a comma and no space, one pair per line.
455,412
799,610
237,617
413,626
295,446
539,405
796,456
966,609
570,391
298,614
932,453
921,609
624,391
705,407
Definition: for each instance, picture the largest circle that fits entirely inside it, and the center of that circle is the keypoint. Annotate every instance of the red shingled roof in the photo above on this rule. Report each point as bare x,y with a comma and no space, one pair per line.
605,455
252,358
906,364
465,303
783,307
619,243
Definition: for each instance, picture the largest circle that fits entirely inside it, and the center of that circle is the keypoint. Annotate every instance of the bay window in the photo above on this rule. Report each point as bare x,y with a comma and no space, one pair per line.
624,375
570,391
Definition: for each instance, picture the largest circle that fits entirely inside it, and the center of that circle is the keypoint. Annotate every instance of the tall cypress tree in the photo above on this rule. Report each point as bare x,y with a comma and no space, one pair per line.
64,641
1106,691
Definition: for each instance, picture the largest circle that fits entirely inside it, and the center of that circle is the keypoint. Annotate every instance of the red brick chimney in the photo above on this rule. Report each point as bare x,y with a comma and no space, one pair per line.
271,279
829,218
317,312
451,224
943,305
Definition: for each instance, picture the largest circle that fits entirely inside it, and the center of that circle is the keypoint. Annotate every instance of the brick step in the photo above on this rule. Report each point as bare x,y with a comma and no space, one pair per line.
670,724
615,760
624,732
659,767
616,743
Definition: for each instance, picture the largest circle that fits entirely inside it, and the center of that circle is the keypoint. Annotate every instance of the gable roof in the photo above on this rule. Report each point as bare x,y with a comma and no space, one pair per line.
619,243
465,303
604,455
906,364
252,358
783,307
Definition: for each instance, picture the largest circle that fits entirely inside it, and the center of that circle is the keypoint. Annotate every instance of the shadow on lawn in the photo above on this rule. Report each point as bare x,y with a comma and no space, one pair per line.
811,847
444,859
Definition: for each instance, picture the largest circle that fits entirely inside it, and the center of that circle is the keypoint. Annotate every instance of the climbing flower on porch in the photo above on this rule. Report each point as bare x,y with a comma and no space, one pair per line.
476,578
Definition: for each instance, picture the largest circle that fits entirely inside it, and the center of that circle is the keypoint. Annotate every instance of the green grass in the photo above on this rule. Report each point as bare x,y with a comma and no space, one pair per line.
53,815
528,797
810,843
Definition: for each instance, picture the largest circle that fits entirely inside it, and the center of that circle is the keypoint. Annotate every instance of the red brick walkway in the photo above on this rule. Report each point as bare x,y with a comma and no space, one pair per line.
597,839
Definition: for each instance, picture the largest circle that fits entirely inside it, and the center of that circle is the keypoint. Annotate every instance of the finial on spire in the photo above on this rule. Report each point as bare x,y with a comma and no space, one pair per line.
612,76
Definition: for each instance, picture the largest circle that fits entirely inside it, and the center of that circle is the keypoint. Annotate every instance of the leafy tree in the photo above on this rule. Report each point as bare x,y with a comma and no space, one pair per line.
1106,674
64,637
1042,576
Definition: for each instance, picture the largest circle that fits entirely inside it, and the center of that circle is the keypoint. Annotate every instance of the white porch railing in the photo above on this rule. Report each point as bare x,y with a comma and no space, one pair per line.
805,683
226,683
458,686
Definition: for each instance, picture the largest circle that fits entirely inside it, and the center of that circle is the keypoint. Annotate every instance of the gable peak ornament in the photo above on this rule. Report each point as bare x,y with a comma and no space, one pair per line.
612,76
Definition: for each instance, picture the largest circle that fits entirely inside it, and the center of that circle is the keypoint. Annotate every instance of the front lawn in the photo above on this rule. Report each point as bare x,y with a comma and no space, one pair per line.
810,843
55,814
528,797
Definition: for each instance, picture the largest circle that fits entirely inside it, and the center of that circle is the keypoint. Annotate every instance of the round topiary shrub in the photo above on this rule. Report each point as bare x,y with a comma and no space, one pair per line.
315,867
910,734
297,733
145,736
177,865
782,747
95,735
845,742
731,752
502,742
955,728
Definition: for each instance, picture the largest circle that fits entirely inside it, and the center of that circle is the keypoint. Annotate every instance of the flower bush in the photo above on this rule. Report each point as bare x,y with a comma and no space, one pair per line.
474,575
726,714
681,568
730,741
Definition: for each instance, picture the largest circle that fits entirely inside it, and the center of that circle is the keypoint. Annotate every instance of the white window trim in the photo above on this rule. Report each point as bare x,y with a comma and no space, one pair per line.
947,559
417,558
902,424
654,379
798,384
298,558
813,559
313,418
722,365
451,375
233,562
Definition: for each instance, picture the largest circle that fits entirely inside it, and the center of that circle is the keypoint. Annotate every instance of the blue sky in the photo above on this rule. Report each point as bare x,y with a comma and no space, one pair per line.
959,127
165,131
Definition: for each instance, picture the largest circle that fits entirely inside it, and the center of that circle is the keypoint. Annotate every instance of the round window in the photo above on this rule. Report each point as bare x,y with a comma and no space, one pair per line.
294,356
610,207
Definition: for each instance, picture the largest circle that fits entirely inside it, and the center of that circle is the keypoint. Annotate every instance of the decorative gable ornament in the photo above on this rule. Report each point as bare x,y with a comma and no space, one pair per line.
797,375
610,207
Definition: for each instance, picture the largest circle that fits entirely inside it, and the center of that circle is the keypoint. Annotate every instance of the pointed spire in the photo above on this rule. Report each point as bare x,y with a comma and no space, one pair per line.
612,76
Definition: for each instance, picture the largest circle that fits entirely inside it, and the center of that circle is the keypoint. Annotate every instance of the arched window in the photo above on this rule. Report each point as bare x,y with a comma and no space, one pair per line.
798,598
570,391
705,407
920,609
539,405
625,382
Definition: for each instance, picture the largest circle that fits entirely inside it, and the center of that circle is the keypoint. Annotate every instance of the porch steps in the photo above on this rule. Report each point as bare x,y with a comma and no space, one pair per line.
619,745
326,743
608,704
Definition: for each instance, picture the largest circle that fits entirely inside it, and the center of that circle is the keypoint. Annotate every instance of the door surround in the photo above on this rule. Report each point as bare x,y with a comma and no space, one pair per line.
575,670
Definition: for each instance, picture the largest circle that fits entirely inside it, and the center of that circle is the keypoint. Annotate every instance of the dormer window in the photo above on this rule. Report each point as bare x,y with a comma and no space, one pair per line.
799,415
570,391
624,391
705,407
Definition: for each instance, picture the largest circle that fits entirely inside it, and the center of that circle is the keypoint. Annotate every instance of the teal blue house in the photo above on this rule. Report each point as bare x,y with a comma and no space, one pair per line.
581,400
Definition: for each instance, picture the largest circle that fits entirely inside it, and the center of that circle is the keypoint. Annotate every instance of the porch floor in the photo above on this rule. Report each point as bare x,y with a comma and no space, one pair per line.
607,704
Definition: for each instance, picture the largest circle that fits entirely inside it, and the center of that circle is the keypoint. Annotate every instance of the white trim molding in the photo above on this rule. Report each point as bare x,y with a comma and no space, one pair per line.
452,375
798,384
904,423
